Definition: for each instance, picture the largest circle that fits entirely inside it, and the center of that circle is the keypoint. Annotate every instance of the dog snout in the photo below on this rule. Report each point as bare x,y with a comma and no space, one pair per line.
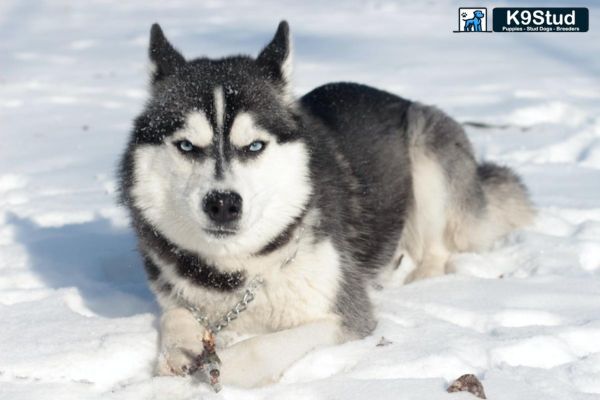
222,207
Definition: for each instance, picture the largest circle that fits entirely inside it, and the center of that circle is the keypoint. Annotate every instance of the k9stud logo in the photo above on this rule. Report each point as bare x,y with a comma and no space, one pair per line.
524,19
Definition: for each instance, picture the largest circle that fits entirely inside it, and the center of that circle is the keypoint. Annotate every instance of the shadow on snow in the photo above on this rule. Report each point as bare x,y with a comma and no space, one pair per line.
98,259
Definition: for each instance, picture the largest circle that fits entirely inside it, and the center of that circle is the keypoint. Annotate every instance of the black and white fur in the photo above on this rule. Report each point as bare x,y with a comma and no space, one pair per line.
350,177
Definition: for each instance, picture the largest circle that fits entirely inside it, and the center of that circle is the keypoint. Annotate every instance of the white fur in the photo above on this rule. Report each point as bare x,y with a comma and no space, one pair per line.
219,104
423,235
219,100
287,69
244,130
196,129
263,359
152,68
164,188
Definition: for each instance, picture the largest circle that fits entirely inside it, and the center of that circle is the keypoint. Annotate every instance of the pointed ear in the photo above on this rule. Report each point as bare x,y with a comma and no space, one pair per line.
276,58
165,59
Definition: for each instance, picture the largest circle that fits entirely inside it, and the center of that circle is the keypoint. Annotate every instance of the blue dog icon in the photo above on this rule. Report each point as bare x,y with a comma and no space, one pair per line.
474,24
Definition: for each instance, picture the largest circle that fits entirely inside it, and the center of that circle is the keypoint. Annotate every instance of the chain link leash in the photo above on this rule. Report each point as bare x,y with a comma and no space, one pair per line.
234,313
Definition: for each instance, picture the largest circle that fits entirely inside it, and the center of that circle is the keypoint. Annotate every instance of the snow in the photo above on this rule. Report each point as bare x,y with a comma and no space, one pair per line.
78,321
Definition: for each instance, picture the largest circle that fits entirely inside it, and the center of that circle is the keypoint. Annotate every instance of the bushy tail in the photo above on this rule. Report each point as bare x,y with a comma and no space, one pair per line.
508,204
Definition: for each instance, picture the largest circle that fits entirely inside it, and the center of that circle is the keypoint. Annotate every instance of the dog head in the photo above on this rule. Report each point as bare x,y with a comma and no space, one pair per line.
218,162
478,14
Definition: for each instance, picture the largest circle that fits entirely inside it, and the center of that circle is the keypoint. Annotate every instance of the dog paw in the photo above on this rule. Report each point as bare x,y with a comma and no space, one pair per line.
177,361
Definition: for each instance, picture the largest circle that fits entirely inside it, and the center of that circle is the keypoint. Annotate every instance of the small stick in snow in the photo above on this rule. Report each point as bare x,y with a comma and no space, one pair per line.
383,342
467,383
208,361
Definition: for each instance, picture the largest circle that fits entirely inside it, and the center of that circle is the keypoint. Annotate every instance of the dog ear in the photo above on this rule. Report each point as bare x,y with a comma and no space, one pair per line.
275,60
165,59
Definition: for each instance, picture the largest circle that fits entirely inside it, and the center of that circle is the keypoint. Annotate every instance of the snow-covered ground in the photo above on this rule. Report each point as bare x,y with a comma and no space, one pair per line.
76,318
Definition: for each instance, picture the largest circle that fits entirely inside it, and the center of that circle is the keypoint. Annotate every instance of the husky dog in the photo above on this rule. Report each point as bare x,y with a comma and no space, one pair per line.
231,181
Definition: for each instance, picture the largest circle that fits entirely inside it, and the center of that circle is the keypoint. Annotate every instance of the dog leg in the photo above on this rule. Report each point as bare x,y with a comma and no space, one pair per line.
433,264
263,359
180,342
426,227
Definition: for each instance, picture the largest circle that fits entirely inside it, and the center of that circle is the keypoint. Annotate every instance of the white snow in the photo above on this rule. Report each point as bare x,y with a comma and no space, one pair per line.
77,319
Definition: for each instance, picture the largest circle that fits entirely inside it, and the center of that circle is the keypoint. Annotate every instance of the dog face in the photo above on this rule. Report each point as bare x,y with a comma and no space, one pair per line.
478,14
219,166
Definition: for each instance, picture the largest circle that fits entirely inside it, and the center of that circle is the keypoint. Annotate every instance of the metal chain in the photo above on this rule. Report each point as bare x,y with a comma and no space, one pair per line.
236,310
248,296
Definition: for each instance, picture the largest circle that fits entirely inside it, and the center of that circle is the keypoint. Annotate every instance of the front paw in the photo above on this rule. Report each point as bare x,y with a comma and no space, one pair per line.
178,361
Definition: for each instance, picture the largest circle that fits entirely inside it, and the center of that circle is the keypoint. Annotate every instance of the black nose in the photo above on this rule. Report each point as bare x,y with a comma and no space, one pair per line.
222,207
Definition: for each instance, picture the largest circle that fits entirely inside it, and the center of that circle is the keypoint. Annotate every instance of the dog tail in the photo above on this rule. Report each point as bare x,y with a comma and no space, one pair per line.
508,205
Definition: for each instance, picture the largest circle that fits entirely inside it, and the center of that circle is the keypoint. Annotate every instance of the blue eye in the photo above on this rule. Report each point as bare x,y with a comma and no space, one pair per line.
256,146
186,145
